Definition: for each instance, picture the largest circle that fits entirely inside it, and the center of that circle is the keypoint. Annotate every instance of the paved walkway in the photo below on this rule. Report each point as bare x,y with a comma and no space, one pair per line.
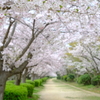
55,90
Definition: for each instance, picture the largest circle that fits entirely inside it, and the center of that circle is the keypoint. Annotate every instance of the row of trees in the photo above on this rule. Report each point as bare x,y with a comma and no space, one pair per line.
20,27
83,56
37,37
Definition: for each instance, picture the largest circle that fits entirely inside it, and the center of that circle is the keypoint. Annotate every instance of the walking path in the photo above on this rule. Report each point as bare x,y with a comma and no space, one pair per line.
56,90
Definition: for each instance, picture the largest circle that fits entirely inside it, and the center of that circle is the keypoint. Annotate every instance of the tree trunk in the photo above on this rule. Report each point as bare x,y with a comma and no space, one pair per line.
32,79
3,79
18,79
23,79
36,76
24,75
32,76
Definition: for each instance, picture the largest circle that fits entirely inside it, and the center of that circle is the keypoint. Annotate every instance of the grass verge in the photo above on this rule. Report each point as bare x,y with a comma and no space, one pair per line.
90,88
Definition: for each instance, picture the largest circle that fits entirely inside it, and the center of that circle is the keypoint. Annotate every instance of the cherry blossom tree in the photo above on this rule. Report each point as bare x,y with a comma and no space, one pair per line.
15,56
83,56
22,21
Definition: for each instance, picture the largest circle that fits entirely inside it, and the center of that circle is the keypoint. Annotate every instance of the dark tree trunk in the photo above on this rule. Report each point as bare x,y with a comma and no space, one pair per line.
3,79
18,79
3,76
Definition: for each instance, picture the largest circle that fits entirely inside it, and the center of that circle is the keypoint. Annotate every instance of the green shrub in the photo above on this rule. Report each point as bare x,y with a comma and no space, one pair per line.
71,77
11,81
84,79
8,83
44,79
64,77
29,88
38,82
95,80
58,76
30,82
41,81
13,92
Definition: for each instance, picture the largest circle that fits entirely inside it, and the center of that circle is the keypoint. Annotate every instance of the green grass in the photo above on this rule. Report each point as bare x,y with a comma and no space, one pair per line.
91,98
36,96
84,98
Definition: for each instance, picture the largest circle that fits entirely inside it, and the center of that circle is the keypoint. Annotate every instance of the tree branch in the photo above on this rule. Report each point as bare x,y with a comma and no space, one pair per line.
21,22
29,43
12,33
43,28
31,40
96,57
92,57
19,69
8,31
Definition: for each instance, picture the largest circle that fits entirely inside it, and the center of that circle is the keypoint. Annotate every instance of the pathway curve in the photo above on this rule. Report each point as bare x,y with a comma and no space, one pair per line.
56,90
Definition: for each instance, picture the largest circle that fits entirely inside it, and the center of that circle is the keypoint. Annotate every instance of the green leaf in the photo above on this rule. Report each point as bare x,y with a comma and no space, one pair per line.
71,48
58,10
68,54
73,44
88,8
5,14
77,10
60,6
44,2
76,59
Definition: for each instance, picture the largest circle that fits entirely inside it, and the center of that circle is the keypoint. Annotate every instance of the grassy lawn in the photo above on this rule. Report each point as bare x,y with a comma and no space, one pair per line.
84,98
35,93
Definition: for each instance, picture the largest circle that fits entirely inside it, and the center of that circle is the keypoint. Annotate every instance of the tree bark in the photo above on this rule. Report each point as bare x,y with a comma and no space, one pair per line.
23,79
18,79
3,79
32,76
36,77
24,75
